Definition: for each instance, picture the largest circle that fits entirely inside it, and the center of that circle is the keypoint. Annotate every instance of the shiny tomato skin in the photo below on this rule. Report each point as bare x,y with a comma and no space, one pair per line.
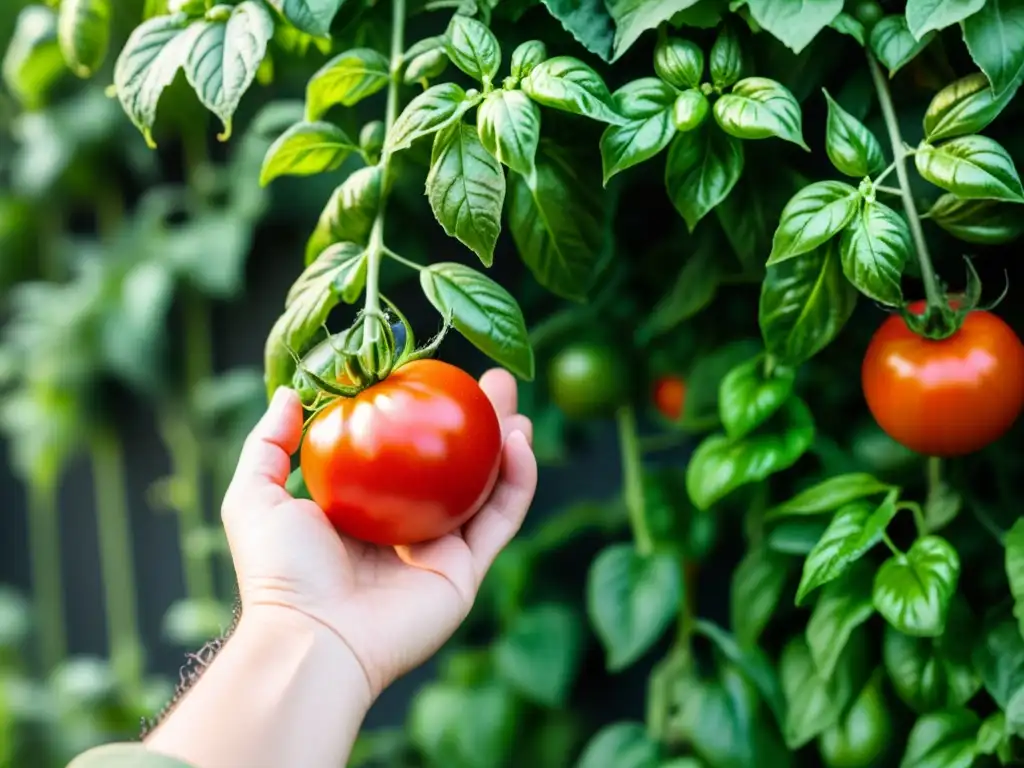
948,397
669,396
408,459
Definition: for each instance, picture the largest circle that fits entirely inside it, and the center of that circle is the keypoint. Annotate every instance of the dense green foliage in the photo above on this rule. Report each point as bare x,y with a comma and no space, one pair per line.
731,191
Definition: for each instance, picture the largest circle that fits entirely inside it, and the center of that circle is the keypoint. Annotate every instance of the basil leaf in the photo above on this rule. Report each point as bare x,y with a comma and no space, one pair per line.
829,495
436,108
845,24
794,24
865,728
805,302
313,17
972,167
440,710
310,299
795,537
986,222
929,674
747,398
1014,560
812,217
855,529
924,16
556,217
526,56
999,658
963,107
759,108
702,168
843,605
33,61
425,67
912,591
466,189
483,312
852,148
540,653
224,56
894,44
473,48
349,213
346,79
634,17
944,739
648,105
693,289
588,21
306,149
757,585
720,465
995,40
690,110
620,745
83,31
814,702
509,127
994,738
874,248
631,600
679,62
570,85
726,59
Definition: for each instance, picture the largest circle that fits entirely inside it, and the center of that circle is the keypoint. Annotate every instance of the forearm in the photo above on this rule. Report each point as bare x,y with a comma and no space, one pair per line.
284,691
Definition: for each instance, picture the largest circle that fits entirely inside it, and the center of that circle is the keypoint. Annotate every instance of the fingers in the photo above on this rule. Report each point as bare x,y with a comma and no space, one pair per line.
500,387
265,461
503,514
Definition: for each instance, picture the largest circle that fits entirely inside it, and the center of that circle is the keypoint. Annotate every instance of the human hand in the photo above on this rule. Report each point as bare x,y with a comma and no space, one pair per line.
393,607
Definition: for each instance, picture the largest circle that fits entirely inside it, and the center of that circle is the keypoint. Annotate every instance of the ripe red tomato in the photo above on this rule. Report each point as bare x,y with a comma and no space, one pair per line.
408,459
948,397
669,396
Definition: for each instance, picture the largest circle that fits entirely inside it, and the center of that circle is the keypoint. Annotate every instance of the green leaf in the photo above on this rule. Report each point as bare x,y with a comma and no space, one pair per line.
726,59
758,108
932,673
864,733
963,107
426,66
795,537
794,23
894,44
985,222
942,740
588,21
924,16
526,56
855,529
648,105
842,606
702,168
690,110
720,465
757,585
620,745
466,189
541,652
557,221
748,398
693,289
473,48
812,217
631,600
83,29
814,702
309,302
972,167
483,312
124,756
313,17
995,40
874,249
509,127
634,17
805,302
912,591
851,146
306,149
845,24
829,495
438,715
679,62
433,110
349,213
1014,560
224,56
995,739
33,62
148,63
999,658
570,85
346,79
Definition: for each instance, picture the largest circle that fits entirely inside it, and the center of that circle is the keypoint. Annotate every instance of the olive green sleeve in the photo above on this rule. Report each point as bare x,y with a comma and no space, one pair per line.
124,756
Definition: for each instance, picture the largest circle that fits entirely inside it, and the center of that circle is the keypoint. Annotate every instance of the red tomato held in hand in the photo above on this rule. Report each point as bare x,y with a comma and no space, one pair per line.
408,459
669,396
949,397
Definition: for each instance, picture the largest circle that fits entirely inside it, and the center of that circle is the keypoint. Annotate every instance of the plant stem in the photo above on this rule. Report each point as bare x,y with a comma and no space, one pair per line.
375,248
892,547
889,190
116,558
899,152
633,479
402,260
47,589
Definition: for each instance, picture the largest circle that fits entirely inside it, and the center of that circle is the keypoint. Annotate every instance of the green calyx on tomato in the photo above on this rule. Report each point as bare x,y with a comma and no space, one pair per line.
589,379
940,321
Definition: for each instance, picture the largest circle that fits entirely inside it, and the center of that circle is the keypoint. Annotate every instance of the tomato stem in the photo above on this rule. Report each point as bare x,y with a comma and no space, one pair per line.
932,291
44,542
402,260
883,175
376,249
633,479
919,519
892,547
